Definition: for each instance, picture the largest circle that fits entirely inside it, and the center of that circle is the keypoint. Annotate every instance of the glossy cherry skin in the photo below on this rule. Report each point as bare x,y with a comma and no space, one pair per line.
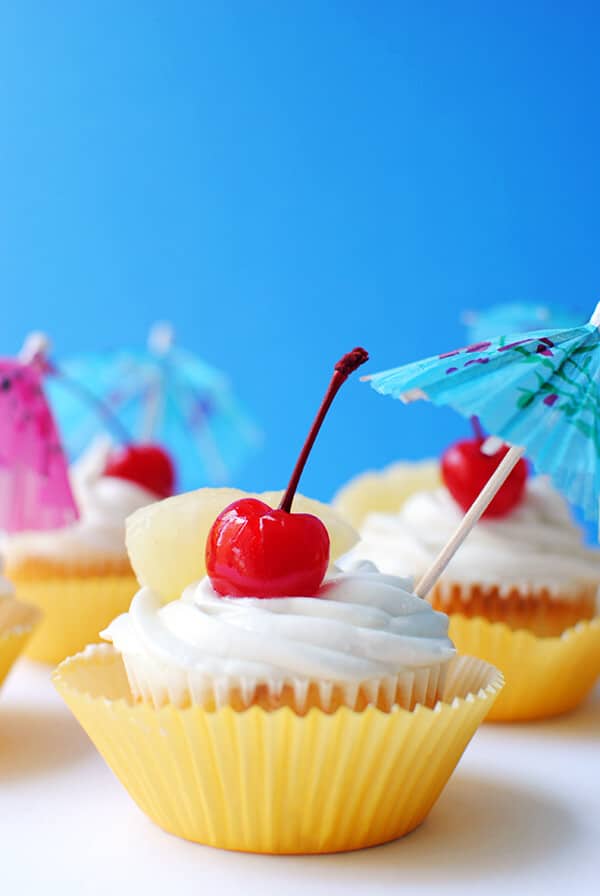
466,469
253,550
147,465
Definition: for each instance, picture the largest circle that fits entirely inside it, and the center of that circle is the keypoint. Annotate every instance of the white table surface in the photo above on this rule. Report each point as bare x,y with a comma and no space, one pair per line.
521,815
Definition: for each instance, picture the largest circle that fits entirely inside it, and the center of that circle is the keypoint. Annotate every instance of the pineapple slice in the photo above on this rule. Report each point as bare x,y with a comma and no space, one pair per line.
166,540
385,491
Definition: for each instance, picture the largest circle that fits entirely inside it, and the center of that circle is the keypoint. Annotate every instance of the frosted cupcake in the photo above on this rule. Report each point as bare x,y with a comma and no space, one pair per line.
17,621
528,569
271,707
80,575
522,590
284,724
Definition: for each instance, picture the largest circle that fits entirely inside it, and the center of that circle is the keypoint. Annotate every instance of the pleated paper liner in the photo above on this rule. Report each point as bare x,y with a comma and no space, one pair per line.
158,687
543,612
75,610
544,677
17,621
278,782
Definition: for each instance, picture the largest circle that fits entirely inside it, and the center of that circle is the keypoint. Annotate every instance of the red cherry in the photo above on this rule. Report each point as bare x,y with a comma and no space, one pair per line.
466,470
147,465
253,550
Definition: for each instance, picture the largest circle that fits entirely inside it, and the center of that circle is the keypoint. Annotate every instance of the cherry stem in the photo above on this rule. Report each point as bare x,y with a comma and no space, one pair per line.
344,367
100,406
477,428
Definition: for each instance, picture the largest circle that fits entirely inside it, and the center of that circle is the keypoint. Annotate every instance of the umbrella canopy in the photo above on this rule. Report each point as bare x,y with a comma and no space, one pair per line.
518,317
162,394
536,390
35,492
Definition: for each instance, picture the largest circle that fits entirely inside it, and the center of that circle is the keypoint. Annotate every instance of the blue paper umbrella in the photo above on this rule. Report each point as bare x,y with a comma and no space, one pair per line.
163,394
518,317
539,391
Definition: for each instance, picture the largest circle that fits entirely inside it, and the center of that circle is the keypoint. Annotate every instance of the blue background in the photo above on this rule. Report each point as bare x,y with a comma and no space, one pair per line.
286,180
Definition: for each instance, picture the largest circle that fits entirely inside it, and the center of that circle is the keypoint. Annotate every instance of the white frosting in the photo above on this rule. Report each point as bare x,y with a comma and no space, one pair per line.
536,546
361,626
104,503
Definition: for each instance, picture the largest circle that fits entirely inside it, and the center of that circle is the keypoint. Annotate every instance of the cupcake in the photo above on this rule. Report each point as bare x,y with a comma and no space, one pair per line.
289,724
521,592
254,699
529,569
385,491
80,575
17,621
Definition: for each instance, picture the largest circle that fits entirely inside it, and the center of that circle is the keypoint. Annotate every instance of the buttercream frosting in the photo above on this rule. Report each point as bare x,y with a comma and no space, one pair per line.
361,625
537,545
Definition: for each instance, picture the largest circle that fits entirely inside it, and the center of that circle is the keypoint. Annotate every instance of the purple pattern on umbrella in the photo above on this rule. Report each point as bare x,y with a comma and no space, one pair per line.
545,347
509,345
550,400
478,347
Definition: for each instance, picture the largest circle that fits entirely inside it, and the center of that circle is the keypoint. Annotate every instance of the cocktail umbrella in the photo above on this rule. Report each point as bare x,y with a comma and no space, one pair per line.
35,492
518,317
539,392
160,394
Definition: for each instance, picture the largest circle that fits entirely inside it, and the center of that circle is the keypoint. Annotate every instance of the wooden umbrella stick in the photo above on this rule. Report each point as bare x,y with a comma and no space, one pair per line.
469,520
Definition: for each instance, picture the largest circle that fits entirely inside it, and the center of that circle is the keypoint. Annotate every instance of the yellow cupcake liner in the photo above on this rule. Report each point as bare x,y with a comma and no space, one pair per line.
75,610
544,677
17,622
277,782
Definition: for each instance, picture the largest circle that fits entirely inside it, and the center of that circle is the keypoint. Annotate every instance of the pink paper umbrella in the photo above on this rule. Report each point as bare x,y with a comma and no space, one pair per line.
35,492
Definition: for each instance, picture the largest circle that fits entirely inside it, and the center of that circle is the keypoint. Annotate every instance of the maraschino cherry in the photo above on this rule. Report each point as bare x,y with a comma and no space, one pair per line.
147,465
254,550
466,470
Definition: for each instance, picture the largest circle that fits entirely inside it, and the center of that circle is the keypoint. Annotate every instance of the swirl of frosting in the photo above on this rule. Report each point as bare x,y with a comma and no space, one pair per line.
104,503
361,626
537,545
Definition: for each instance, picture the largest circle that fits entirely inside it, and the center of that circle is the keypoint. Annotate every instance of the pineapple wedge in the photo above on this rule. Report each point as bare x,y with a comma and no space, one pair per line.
385,491
166,540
